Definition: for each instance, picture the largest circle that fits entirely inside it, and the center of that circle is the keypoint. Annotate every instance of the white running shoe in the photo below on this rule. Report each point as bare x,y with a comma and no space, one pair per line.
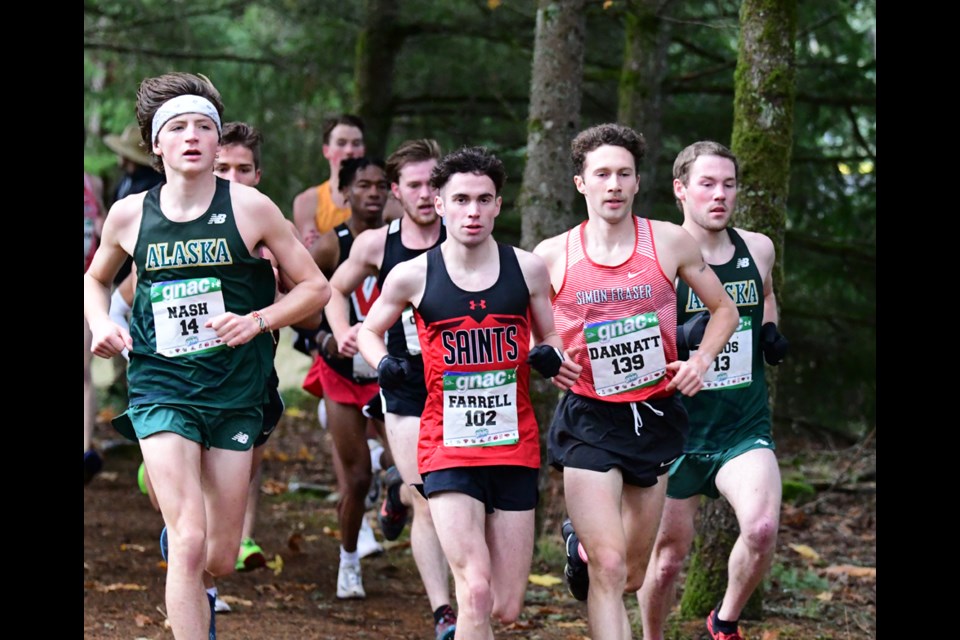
220,606
367,544
349,582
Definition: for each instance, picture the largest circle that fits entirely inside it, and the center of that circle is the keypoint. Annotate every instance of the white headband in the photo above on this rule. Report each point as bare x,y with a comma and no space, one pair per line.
180,105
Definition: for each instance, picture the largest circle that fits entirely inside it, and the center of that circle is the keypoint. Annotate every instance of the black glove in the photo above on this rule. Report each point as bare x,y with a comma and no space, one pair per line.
773,344
392,371
690,333
545,359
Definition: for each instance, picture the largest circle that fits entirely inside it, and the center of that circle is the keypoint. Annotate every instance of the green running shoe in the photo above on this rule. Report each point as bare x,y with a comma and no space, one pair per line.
250,557
142,479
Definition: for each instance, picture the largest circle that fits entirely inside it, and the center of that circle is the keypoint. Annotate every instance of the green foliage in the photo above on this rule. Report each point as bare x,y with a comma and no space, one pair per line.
797,492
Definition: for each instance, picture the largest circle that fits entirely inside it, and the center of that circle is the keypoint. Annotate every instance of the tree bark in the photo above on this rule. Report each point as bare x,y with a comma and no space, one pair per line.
765,92
378,45
547,194
641,87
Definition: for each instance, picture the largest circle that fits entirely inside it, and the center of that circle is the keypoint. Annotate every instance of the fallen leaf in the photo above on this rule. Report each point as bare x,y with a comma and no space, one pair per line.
770,635
852,571
119,586
276,564
304,454
141,620
520,624
806,551
825,596
294,542
493,4
607,4
235,600
273,487
133,547
544,580
294,412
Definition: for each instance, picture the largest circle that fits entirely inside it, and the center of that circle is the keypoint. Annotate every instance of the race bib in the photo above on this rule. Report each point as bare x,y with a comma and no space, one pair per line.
361,369
625,354
733,367
181,308
480,409
410,336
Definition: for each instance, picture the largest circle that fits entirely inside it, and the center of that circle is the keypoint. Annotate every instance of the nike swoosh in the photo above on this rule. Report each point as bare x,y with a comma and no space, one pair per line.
631,275
667,464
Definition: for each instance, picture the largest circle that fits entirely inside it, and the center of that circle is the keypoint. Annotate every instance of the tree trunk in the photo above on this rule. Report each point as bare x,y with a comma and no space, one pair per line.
378,45
762,140
547,194
641,87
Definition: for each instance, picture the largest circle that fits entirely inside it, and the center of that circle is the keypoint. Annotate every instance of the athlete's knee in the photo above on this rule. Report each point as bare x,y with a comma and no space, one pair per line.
608,567
188,545
507,610
760,534
477,596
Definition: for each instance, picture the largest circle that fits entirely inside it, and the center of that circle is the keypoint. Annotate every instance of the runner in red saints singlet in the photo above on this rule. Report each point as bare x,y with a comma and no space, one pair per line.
476,303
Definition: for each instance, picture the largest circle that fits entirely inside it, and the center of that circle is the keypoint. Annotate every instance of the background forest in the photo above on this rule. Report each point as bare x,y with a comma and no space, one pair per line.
466,72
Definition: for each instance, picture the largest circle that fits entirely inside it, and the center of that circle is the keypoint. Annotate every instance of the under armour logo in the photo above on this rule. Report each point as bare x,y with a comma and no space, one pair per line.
217,218
743,263
474,304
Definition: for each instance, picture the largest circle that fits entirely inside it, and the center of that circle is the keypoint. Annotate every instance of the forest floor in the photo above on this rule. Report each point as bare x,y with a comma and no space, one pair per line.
822,585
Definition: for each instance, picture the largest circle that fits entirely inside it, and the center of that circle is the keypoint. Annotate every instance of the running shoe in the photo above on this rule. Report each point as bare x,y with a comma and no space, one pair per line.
350,582
367,544
447,625
575,571
250,557
142,479
716,634
163,544
393,513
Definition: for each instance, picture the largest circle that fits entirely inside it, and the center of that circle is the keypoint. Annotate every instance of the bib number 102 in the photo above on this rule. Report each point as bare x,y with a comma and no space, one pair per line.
481,418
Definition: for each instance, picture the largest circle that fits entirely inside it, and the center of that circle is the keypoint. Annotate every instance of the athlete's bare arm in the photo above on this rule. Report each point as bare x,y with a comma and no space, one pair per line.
553,252
260,221
680,256
305,219
764,254
366,256
543,330
403,286
119,237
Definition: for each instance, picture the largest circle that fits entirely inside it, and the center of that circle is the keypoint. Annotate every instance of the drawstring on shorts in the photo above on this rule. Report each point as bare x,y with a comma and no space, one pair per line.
637,419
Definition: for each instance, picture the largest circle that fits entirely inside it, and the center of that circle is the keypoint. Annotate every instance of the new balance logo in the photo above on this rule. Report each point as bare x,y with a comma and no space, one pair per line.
241,437
743,263
217,218
474,305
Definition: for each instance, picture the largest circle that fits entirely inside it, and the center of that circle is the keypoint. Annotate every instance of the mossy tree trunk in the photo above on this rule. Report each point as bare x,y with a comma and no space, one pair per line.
547,195
647,38
765,88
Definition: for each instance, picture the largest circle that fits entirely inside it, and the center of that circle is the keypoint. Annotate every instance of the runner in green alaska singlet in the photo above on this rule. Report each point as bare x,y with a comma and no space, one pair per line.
188,273
733,403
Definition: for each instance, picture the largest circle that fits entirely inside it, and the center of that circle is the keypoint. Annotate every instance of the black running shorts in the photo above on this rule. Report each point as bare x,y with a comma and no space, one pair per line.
599,435
503,487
